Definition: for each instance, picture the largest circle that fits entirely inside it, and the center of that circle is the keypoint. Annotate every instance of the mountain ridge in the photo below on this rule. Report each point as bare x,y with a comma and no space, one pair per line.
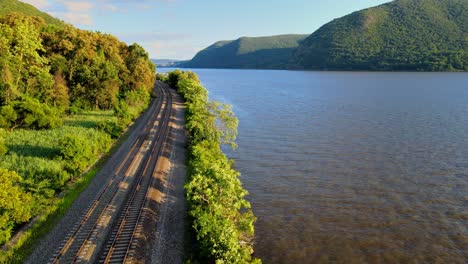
424,35
402,35
270,52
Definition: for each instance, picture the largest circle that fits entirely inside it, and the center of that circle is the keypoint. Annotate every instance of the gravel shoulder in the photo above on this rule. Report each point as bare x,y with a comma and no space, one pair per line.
169,229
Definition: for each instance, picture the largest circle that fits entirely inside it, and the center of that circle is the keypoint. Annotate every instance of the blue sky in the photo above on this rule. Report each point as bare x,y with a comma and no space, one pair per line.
177,29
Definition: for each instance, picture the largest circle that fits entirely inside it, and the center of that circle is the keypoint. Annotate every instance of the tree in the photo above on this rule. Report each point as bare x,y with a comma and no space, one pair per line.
76,152
29,113
58,96
15,203
24,70
226,122
8,89
141,69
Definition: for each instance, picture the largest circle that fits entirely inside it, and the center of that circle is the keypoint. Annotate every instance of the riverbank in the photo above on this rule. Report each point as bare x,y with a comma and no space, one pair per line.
221,218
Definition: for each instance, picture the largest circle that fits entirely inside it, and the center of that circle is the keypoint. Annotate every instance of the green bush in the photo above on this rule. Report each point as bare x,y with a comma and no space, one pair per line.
122,111
76,153
161,77
112,127
29,113
8,116
137,100
15,204
3,147
217,201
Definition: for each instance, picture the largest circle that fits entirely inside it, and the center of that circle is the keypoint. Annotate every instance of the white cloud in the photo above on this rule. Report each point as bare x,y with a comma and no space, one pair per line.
77,6
40,4
75,18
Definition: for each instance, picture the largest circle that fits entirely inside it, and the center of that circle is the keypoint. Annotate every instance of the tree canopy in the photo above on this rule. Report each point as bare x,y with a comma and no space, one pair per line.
65,66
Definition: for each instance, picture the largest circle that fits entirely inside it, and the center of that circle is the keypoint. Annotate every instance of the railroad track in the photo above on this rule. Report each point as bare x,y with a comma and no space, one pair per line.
106,231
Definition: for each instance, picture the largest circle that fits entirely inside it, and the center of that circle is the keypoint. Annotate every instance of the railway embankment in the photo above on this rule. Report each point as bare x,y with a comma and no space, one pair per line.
220,218
111,209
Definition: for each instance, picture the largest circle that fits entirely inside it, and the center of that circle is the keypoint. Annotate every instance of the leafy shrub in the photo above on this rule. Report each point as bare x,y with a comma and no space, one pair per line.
15,203
161,77
137,101
29,113
122,111
138,98
79,151
112,127
8,116
76,153
216,200
3,147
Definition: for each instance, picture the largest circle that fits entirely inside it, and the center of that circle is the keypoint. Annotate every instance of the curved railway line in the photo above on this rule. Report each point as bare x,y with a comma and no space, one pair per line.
106,232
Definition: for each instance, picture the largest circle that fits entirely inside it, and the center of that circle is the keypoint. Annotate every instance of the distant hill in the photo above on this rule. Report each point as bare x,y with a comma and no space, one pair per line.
165,63
426,35
248,53
9,6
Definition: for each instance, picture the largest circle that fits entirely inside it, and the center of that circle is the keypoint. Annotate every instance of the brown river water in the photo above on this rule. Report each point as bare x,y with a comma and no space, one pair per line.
352,167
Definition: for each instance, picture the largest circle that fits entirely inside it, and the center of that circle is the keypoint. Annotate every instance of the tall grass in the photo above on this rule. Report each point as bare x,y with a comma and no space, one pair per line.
34,154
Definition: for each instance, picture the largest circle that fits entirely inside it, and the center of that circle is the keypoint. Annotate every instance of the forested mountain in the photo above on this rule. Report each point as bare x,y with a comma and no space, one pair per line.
248,53
414,35
429,35
10,6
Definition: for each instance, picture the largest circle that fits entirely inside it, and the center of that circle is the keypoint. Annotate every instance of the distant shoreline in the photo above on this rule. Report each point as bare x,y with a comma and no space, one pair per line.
304,70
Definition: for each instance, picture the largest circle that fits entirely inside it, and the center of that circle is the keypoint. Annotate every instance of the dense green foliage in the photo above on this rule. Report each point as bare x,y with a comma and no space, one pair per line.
16,204
64,94
28,112
222,218
248,53
429,35
67,67
10,6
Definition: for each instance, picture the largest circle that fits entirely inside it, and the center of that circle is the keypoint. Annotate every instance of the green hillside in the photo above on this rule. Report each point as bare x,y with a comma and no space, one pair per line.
430,35
248,53
9,6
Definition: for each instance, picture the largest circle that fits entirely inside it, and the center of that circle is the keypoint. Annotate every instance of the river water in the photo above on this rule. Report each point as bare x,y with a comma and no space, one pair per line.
352,167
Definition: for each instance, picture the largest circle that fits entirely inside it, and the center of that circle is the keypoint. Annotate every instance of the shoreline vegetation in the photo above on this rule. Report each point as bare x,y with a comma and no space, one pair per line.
66,97
221,218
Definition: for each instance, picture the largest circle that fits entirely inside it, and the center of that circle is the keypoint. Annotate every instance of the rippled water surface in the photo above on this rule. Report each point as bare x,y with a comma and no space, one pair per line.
352,167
